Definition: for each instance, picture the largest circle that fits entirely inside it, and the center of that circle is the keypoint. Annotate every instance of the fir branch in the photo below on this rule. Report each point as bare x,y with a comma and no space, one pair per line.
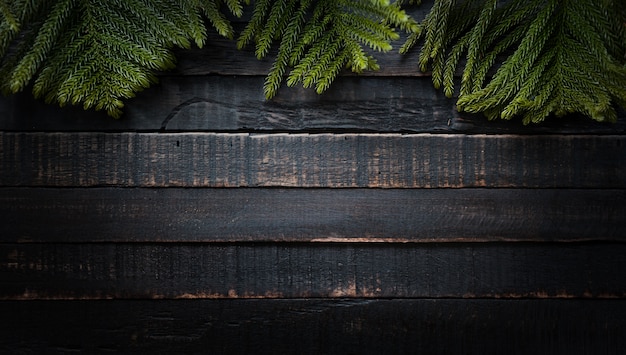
568,57
211,10
293,30
236,7
255,25
8,16
333,38
98,53
476,44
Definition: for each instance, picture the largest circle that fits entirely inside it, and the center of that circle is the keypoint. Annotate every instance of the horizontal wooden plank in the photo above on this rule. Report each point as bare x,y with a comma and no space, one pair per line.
303,160
316,327
226,103
237,103
304,270
304,215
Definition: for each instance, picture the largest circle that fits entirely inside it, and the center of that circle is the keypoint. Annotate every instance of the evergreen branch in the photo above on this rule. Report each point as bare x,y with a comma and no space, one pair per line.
308,60
569,56
211,10
476,45
10,19
98,53
311,33
255,24
236,7
331,40
274,77
452,62
549,56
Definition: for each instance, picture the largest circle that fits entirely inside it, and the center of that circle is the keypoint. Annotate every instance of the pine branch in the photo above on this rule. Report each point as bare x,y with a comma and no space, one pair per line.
98,53
565,56
9,18
549,56
319,39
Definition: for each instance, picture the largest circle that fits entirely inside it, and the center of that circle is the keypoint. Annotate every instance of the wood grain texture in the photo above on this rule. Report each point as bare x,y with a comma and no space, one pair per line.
304,270
310,215
237,103
373,219
227,103
303,160
550,327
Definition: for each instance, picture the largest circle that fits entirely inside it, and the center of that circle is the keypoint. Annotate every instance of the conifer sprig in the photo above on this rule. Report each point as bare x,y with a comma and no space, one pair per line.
94,52
317,39
519,58
556,56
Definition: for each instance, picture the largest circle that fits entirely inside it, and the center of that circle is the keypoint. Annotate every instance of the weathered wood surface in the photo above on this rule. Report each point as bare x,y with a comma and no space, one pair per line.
554,327
225,103
305,215
276,270
375,219
303,160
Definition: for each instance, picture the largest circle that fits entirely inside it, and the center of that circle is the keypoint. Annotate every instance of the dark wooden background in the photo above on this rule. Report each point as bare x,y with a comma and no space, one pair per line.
372,219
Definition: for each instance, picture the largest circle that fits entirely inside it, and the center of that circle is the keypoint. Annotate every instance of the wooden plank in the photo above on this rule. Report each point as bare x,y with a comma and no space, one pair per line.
223,103
303,160
237,103
304,215
304,270
316,327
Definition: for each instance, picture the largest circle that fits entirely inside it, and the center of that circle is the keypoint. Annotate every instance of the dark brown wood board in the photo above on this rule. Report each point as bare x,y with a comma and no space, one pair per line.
303,270
94,215
236,103
340,326
312,160
372,219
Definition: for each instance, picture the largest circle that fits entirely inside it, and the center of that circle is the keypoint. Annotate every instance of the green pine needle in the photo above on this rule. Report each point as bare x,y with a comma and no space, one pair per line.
529,58
98,53
319,39
519,58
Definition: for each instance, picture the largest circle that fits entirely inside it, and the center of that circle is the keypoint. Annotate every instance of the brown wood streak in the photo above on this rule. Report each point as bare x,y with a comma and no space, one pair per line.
303,160
310,215
316,327
275,270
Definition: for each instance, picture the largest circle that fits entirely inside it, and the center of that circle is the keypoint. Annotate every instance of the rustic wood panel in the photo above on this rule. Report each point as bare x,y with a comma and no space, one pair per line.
225,103
283,270
346,215
237,103
316,327
303,160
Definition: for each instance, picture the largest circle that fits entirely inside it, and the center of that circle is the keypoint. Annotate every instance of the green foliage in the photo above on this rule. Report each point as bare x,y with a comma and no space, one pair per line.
516,58
528,58
98,52
317,39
